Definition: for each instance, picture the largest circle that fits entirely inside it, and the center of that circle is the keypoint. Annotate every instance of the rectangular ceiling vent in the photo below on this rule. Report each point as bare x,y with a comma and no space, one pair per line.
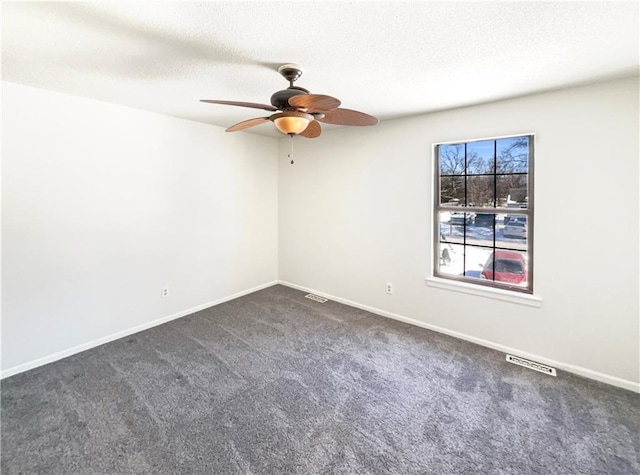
316,298
531,365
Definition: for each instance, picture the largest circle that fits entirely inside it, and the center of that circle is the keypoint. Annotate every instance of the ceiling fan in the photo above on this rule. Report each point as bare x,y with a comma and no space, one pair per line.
297,112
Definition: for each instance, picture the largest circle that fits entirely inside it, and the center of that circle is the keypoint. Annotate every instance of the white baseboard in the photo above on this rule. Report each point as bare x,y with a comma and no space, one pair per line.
585,372
106,339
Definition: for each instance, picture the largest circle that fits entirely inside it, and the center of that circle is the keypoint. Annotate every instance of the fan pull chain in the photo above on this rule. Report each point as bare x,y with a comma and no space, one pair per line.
291,151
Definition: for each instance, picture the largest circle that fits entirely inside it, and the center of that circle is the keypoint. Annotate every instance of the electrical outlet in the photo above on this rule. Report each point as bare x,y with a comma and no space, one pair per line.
164,292
389,288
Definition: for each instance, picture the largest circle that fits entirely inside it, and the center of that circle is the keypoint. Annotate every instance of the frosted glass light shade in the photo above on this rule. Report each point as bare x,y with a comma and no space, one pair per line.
291,124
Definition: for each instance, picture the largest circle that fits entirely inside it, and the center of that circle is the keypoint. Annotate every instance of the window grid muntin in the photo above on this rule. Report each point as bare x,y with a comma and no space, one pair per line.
528,212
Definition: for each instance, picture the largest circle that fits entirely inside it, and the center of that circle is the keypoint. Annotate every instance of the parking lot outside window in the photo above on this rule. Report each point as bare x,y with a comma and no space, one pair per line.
483,212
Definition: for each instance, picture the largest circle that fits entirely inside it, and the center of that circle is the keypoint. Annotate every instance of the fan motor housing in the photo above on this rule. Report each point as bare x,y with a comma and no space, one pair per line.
280,99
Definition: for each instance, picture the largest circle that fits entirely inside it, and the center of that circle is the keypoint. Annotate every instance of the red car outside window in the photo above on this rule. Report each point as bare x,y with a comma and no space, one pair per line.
506,266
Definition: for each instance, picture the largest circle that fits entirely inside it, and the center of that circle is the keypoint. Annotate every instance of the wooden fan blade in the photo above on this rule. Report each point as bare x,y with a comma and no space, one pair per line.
348,117
314,102
245,124
312,131
253,105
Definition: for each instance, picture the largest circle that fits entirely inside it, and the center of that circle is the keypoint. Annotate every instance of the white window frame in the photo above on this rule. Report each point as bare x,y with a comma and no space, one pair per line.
473,285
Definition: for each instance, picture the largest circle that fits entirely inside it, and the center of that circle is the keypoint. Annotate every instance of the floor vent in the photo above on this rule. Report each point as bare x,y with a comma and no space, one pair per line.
531,365
317,298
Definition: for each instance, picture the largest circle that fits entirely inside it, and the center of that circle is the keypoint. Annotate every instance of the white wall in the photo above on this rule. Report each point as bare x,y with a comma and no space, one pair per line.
355,212
103,205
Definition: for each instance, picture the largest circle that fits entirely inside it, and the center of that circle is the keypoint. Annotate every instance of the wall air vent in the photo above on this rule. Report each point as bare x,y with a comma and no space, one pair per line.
316,298
531,365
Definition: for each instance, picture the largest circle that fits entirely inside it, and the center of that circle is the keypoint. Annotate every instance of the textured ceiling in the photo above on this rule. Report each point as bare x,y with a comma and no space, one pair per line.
388,59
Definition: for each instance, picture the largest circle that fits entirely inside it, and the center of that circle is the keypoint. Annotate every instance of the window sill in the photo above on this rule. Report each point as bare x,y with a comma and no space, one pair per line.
488,292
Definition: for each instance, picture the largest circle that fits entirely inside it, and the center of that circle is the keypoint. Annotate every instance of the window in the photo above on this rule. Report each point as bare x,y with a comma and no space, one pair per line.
484,212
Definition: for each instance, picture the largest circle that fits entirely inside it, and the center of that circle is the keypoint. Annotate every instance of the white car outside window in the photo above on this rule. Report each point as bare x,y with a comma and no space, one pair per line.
516,229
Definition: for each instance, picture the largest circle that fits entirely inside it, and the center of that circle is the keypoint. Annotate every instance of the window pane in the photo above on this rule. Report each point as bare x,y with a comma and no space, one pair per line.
514,233
476,257
452,190
451,227
451,159
481,233
451,258
480,157
480,191
512,155
512,191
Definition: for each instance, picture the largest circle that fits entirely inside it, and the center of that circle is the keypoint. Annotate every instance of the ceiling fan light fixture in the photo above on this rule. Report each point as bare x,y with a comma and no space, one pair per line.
291,122
301,112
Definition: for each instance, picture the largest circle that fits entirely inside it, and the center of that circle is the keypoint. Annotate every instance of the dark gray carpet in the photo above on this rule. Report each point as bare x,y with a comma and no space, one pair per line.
276,383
